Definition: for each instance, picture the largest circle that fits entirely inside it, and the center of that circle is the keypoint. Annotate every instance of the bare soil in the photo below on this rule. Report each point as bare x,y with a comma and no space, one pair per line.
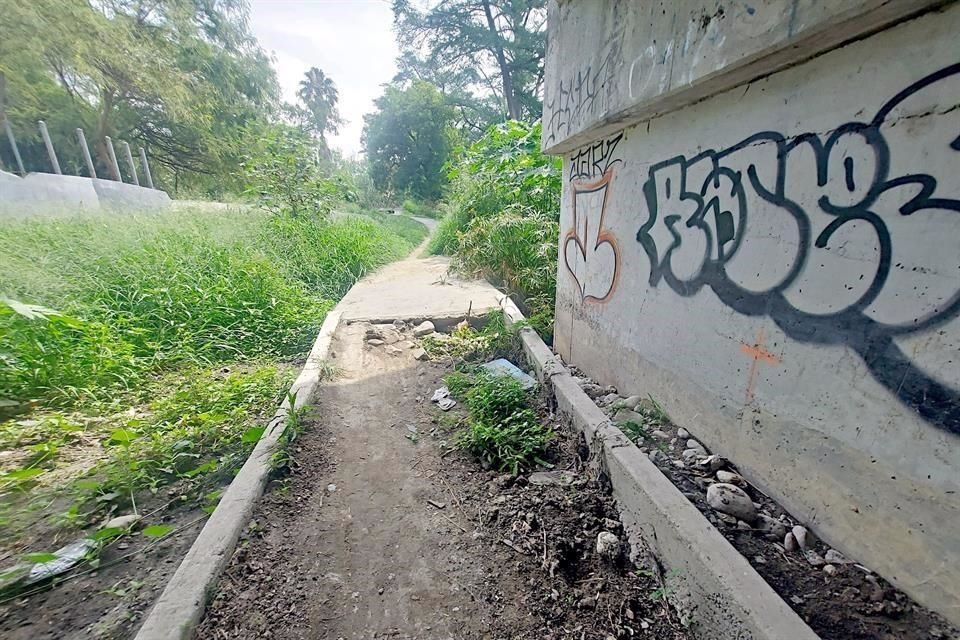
111,600
853,604
381,530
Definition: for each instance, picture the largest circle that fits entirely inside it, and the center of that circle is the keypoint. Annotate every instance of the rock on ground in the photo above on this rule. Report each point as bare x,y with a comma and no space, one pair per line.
732,500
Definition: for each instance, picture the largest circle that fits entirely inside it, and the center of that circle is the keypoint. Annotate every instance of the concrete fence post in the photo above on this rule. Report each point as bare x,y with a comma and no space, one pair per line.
146,167
91,169
113,158
50,152
13,145
133,167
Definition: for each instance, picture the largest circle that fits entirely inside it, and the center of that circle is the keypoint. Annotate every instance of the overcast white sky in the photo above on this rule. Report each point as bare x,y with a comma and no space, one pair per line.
352,41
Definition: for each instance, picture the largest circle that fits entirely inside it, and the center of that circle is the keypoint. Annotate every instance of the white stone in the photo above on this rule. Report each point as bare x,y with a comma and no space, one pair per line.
835,557
122,522
732,500
771,527
608,545
425,328
420,354
802,536
829,569
731,478
790,542
683,434
814,558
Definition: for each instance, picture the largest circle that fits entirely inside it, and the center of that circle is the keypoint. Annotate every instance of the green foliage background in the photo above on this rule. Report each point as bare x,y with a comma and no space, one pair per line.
503,216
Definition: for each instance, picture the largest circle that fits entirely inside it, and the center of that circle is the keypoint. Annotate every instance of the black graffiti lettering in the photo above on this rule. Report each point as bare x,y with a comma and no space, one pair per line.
593,161
580,95
698,216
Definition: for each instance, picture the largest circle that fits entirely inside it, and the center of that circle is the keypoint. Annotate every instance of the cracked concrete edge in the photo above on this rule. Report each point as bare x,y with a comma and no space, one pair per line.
180,607
721,596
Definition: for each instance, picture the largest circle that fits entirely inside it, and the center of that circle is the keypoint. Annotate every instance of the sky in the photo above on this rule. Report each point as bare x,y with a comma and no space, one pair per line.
351,41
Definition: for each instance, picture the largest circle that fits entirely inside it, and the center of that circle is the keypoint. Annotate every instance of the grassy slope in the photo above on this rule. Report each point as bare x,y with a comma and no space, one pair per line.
168,338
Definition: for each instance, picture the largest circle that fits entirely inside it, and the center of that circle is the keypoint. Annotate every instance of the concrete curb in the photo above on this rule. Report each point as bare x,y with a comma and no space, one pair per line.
720,594
180,607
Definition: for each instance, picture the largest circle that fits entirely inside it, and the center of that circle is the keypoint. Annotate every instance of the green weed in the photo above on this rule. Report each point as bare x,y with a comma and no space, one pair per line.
502,220
135,294
502,430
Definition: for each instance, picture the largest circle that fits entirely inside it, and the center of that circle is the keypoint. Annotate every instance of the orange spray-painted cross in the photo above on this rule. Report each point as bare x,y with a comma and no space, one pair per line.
758,353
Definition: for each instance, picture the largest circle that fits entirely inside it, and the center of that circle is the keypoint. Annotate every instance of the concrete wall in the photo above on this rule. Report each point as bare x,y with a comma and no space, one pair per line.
779,264
47,194
614,62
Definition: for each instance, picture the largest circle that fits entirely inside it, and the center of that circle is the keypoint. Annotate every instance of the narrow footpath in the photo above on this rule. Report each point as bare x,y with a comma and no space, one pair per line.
380,531
348,546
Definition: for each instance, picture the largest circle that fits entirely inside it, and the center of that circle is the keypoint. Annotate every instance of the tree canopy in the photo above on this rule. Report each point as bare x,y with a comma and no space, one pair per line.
408,139
486,56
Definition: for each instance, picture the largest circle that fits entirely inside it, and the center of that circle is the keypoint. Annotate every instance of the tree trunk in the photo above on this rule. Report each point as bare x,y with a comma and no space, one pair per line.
513,105
103,130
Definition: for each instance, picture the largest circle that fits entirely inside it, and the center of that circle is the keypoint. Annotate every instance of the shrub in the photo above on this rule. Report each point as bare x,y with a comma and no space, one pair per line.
503,215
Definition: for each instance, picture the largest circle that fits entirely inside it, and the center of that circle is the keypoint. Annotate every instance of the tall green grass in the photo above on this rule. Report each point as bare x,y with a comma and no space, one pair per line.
127,295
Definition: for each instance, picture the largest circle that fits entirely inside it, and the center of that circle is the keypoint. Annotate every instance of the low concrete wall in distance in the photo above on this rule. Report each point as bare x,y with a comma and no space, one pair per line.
47,194
778,265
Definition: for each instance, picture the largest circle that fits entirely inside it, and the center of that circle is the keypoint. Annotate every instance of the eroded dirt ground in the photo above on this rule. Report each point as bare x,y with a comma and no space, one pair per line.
380,531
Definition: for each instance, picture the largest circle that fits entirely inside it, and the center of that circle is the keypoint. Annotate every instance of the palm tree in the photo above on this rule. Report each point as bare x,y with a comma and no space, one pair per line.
319,95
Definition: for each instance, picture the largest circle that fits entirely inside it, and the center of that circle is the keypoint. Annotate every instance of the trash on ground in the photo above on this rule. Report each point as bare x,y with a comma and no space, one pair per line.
502,366
446,404
66,558
440,394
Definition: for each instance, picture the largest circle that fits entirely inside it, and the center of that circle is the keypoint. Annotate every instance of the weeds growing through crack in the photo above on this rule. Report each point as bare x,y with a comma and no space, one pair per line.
652,416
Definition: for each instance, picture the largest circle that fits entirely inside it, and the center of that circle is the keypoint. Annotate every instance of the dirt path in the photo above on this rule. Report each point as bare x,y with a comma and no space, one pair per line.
354,549
350,545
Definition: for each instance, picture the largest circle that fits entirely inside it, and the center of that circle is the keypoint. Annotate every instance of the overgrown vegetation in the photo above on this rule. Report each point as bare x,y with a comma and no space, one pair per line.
503,219
144,349
502,430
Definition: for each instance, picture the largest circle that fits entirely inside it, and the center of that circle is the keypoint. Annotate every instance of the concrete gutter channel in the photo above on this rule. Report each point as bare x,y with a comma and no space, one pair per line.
716,589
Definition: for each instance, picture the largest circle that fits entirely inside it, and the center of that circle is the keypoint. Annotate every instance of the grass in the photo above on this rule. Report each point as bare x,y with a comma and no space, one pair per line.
502,430
137,294
141,350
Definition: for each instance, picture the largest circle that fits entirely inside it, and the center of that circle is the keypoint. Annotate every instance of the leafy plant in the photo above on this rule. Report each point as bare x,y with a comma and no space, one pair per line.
503,217
512,444
501,430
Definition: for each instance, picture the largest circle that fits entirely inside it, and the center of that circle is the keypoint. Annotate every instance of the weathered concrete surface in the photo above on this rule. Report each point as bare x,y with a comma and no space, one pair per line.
417,288
636,60
723,595
778,265
47,194
120,196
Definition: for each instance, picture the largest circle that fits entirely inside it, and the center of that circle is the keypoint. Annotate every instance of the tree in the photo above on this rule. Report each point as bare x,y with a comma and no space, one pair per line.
408,139
319,96
495,46
184,78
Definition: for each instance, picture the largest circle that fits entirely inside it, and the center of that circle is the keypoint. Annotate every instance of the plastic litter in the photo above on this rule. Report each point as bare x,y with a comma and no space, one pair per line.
502,366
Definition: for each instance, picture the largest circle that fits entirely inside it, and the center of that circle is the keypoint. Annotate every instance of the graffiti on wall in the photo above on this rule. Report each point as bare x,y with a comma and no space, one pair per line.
590,251
813,210
576,97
